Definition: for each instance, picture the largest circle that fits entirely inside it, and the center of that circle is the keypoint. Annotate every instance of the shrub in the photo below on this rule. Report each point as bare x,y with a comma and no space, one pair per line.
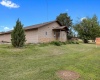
18,35
72,42
77,42
57,43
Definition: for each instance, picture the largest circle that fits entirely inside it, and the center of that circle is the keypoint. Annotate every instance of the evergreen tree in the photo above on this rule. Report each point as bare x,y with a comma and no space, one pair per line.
18,35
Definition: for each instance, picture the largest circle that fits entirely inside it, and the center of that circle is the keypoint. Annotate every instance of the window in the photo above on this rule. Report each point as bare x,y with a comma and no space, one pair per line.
45,33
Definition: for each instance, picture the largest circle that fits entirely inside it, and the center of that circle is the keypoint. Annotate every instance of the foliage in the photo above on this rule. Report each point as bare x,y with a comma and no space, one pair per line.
57,43
72,42
70,34
65,20
18,35
95,30
88,28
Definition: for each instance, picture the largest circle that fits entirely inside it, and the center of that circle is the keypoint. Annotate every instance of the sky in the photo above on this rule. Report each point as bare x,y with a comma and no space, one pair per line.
32,12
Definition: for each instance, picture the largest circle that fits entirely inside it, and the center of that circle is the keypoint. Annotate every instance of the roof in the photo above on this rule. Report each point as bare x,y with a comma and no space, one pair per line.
62,27
40,25
33,26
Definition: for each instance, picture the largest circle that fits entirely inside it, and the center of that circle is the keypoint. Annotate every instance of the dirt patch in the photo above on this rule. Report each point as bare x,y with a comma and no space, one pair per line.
67,75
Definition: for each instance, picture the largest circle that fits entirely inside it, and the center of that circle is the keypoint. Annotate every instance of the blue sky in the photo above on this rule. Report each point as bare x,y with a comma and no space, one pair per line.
35,11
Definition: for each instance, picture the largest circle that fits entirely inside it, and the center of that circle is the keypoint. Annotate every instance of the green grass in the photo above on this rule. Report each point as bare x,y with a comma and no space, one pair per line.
35,62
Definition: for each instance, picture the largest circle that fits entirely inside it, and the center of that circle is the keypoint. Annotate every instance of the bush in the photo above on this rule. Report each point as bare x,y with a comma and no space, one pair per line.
72,42
77,42
57,43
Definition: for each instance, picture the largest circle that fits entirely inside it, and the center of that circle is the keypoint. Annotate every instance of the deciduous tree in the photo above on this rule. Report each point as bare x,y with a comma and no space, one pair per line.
65,20
88,28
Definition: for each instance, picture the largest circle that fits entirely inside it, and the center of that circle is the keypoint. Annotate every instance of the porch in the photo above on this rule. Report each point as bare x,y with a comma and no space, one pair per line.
60,33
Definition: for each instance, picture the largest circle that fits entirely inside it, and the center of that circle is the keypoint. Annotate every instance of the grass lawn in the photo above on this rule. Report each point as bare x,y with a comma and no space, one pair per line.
42,62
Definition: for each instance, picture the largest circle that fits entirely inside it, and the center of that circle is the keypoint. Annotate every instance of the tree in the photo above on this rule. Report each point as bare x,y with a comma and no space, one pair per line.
88,28
65,20
18,35
95,30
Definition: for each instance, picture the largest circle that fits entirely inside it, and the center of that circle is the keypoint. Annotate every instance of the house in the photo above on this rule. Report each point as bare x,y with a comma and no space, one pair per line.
45,32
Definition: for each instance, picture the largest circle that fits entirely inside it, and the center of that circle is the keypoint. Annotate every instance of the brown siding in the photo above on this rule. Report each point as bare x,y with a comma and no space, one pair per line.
50,34
63,36
32,36
5,37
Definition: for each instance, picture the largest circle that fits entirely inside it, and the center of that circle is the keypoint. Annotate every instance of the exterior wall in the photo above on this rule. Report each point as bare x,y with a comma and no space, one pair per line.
5,37
63,36
40,35
42,31
32,36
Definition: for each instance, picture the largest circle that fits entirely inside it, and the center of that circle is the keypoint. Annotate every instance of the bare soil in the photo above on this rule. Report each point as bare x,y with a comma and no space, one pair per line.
67,75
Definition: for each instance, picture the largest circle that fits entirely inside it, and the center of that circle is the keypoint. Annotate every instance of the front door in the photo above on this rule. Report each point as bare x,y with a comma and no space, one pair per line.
57,35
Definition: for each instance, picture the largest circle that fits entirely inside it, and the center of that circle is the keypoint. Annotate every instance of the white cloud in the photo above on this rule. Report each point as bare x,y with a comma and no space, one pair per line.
9,4
6,28
83,18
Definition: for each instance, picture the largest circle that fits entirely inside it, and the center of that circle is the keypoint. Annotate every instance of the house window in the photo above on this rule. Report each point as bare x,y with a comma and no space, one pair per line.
45,33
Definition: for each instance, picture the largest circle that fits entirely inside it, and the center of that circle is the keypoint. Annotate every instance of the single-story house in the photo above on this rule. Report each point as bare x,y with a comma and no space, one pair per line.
39,33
